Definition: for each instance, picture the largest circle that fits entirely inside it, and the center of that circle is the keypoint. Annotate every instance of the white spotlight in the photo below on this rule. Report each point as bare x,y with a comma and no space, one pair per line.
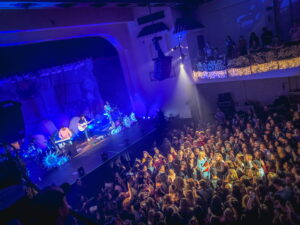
181,65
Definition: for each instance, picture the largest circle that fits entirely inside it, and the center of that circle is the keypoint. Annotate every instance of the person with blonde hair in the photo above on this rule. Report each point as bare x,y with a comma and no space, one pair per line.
248,161
232,176
171,176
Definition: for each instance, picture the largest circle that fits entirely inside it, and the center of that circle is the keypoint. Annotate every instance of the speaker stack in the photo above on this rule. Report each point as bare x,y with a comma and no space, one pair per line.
12,123
226,104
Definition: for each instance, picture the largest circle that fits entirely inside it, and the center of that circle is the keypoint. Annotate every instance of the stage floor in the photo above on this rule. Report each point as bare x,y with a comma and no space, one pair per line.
89,156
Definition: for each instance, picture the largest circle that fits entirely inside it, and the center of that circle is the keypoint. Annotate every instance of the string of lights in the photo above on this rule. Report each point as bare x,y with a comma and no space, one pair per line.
248,70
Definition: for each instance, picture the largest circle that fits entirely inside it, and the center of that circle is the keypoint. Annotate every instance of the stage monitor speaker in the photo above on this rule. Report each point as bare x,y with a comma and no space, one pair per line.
162,68
12,123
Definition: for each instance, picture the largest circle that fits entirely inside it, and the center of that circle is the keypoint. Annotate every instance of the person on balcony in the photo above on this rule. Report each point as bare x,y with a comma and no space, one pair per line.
242,46
254,42
230,47
294,32
208,50
266,37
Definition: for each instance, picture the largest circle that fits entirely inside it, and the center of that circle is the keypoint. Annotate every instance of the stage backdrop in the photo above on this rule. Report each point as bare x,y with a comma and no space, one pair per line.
51,97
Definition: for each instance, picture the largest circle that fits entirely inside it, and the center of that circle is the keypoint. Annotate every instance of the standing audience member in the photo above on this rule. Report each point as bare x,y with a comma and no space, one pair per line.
242,46
243,170
208,50
235,170
230,47
294,32
266,37
50,207
276,42
253,42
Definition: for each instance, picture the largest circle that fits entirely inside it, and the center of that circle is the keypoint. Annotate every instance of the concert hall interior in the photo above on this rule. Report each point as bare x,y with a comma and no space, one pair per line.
149,112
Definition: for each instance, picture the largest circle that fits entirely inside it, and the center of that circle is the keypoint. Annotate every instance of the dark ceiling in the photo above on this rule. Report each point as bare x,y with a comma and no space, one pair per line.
32,57
35,4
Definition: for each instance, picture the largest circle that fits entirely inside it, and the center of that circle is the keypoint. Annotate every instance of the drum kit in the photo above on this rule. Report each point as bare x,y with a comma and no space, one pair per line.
53,159
46,152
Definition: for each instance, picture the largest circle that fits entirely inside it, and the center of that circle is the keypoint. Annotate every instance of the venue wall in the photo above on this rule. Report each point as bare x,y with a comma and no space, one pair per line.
146,96
241,17
171,95
263,91
111,83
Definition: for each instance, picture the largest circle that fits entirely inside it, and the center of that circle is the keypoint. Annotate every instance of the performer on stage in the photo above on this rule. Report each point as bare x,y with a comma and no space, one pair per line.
82,126
107,108
65,133
108,112
65,145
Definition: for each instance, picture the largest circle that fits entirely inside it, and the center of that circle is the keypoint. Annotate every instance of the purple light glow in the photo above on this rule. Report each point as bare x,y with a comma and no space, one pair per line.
59,28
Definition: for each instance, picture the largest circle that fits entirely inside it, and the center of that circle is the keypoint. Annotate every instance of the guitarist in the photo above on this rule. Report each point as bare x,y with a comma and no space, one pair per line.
82,126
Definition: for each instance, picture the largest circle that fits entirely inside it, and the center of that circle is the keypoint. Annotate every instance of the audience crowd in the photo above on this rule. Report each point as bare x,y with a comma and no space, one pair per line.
267,40
240,170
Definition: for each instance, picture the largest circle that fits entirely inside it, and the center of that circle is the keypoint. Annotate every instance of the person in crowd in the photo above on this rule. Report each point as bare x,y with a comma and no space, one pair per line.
294,32
276,42
208,50
220,116
50,207
216,54
242,169
230,47
254,42
266,37
242,46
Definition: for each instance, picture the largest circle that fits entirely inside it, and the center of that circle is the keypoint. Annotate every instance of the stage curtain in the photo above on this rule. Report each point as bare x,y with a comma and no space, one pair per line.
56,94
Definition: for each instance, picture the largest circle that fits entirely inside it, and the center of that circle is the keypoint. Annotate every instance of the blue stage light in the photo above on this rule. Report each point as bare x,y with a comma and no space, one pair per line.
50,160
91,126
53,160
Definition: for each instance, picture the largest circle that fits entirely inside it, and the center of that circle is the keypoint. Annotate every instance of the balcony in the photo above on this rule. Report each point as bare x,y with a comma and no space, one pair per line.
249,66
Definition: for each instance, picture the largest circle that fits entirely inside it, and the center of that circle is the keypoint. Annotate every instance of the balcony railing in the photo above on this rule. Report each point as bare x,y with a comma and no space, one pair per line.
261,61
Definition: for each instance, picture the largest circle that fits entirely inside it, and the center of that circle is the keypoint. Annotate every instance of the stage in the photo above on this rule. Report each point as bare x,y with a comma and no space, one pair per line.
89,156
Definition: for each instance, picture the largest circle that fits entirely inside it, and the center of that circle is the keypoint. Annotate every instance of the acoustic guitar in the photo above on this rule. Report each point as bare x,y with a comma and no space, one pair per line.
83,126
